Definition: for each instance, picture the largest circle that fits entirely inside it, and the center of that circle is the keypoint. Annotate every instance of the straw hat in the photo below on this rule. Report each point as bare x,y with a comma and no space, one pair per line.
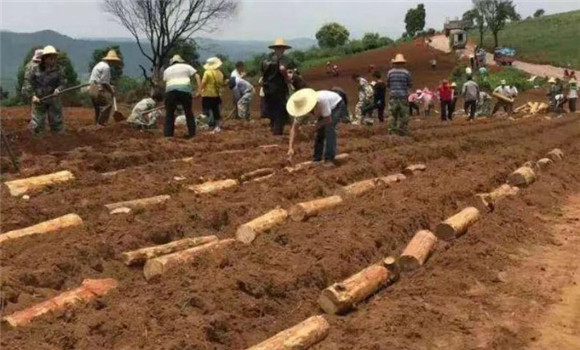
552,81
279,42
453,84
468,71
301,102
111,56
176,59
212,63
399,58
49,50
37,55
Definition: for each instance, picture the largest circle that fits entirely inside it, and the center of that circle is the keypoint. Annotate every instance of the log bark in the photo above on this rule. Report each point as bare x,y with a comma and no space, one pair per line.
343,296
213,186
522,177
458,224
89,289
414,169
302,211
256,174
21,186
300,337
247,232
489,200
387,180
138,203
160,265
556,155
544,163
66,221
358,188
418,250
140,256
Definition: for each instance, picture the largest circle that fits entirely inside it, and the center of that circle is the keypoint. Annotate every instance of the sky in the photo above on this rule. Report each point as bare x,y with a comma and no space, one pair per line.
255,20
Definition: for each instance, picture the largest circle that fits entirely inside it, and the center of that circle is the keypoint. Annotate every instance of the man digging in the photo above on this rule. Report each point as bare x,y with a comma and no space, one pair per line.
101,90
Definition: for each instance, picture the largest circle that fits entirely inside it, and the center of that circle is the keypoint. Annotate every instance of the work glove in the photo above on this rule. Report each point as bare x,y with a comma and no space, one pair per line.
35,100
56,91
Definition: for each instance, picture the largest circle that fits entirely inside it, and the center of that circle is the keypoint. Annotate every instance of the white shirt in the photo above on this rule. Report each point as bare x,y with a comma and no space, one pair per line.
507,91
178,77
326,102
235,74
101,73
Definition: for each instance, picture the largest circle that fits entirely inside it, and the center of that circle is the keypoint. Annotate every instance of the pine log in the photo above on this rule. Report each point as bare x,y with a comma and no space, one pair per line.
300,337
213,186
392,265
247,232
256,174
140,256
343,296
302,211
387,180
414,169
490,200
458,224
543,107
544,163
522,177
89,289
556,154
358,188
418,250
535,107
160,265
66,221
138,203
21,186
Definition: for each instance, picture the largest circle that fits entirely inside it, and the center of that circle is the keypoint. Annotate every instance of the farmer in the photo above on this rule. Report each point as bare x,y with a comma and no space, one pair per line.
365,98
507,91
454,98
379,97
240,70
275,82
211,84
141,116
243,92
30,69
484,104
445,95
46,80
328,108
179,91
470,93
427,100
555,93
572,94
414,100
101,90
399,82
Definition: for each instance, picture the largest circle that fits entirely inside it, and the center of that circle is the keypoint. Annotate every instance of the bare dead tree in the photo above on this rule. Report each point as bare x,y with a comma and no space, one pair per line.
163,23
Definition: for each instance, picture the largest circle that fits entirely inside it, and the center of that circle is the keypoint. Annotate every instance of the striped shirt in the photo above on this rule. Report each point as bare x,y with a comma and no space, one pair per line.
399,81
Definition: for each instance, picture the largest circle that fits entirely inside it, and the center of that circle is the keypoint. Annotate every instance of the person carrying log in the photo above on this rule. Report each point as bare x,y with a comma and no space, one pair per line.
379,97
399,82
275,82
101,90
328,108
47,79
211,84
243,92
510,92
142,117
470,93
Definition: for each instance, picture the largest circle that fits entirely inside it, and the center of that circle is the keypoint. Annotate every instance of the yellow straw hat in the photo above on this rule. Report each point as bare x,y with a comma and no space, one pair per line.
399,58
552,81
111,56
301,102
279,42
453,84
212,63
176,59
49,50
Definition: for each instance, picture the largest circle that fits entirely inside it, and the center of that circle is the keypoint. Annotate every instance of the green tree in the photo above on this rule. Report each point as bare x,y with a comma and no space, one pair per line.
496,14
415,20
539,13
332,35
187,49
476,20
374,40
116,69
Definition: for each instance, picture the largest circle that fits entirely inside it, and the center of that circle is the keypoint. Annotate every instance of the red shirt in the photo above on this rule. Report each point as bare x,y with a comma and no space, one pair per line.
445,93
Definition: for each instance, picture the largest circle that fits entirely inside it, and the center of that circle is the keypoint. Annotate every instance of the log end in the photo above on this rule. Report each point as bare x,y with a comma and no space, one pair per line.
246,234
445,231
152,268
328,301
297,213
408,263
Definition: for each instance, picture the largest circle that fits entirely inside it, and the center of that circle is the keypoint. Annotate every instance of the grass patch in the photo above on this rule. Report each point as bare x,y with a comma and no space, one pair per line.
512,76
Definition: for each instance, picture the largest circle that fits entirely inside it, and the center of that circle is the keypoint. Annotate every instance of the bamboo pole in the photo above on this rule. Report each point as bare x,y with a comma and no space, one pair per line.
21,186
300,337
522,177
140,256
66,221
247,232
213,186
302,211
138,203
457,224
418,250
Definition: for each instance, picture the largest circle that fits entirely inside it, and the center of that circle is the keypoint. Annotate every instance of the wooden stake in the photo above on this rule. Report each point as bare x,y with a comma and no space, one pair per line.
418,250
268,147
414,169
160,265
256,174
302,211
138,203
522,177
247,232
458,224
341,297
556,154
213,186
262,178
490,200
21,186
387,180
358,188
140,256
544,163
66,221
300,337
89,289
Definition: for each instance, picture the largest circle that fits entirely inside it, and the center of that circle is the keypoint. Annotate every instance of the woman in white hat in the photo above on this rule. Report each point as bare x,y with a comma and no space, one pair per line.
211,84
101,90
179,91
47,80
328,108
275,80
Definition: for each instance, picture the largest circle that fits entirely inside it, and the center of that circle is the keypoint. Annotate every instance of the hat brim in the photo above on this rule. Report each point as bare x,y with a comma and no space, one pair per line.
210,66
398,61
300,111
112,59
49,54
280,46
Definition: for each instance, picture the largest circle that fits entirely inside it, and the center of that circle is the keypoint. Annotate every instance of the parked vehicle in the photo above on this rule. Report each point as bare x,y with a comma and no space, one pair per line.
504,56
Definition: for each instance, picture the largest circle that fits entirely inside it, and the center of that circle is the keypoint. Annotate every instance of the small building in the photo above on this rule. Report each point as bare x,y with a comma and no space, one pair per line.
456,31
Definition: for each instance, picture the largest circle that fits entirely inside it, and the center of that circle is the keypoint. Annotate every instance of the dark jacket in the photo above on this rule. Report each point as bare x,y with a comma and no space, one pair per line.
44,81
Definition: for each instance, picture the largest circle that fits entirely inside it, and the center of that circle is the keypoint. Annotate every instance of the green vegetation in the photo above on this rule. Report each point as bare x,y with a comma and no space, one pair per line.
415,20
332,35
512,76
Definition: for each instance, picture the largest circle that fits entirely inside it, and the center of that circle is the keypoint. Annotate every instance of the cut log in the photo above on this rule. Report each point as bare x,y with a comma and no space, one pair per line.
387,180
256,174
503,97
268,147
414,169
160,265
89,289
392,265
302,211
213,186
544,163
529,164
21,186
339,159
534,108
66,221
140,256
522,177
458,224
489,200
556,154
138,203
300,337
343,296
543,107
418,250
247,232
358,188
521,108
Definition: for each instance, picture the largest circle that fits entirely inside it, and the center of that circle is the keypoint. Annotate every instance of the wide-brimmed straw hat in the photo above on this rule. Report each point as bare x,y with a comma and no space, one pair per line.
212,63
111,56
37,55
552,81
176,59
49,50
453,84
279,42
301,102
399,58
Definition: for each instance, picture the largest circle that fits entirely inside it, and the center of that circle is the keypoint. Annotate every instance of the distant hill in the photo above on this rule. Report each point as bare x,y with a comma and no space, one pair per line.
14,46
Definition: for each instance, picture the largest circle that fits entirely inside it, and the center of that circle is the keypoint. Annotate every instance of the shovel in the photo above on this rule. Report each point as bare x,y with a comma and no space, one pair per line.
118,116
63,91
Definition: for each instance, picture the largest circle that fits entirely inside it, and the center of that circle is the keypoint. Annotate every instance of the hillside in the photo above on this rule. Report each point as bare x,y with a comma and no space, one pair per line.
550,39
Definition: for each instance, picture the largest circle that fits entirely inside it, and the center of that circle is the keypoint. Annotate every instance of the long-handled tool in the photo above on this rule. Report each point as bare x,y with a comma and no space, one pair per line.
118,116
6,146
63,91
